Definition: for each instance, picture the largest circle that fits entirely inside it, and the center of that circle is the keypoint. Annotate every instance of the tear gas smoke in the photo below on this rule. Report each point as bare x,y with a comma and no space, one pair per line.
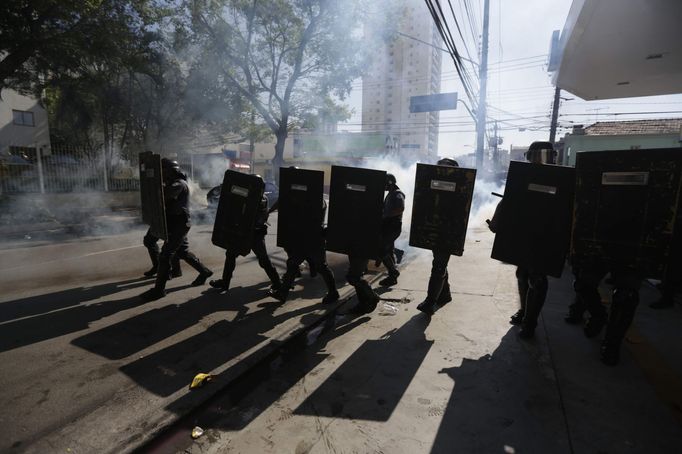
482,206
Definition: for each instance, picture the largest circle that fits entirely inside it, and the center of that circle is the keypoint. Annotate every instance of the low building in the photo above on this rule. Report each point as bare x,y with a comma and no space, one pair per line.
24,129
622,135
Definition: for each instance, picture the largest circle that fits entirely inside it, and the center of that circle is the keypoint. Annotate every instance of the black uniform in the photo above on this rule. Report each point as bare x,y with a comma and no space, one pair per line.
258,248
624,301
438,291
532,287
390,231
150,242
176,201
316,256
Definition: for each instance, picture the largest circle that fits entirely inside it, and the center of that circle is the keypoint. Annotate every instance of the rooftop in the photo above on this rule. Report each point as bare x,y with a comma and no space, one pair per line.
635,127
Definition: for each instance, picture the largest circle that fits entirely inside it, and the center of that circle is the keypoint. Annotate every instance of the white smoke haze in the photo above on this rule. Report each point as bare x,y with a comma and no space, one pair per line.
484,203
197,195
482,206
405,180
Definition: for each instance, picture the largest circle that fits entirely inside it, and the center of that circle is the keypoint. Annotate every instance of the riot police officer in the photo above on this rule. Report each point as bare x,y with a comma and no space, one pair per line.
438,290
176,201
315,255
532,285
394,206
258,248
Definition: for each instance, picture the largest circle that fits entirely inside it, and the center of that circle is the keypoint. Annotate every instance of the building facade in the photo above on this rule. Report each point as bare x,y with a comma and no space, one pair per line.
24,129
404,68
622,135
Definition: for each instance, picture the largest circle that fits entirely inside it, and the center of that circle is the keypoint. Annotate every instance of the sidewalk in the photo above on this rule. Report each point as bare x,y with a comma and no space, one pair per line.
462,380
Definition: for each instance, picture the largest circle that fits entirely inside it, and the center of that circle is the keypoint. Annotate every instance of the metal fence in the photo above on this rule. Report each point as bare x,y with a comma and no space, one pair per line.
64,169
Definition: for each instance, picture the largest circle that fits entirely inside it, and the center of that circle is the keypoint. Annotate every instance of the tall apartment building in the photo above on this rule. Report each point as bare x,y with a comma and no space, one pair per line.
405,68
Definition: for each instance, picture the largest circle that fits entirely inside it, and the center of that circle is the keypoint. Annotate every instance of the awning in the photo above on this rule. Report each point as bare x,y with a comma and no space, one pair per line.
621,48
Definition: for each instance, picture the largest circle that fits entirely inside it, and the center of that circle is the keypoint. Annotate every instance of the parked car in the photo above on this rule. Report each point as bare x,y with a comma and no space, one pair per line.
271,193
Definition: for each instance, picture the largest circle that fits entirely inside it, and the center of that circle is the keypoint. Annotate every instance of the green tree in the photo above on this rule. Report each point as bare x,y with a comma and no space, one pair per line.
41,40
286,57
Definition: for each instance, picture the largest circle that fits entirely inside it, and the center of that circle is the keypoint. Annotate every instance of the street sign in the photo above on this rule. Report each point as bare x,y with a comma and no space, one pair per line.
432,103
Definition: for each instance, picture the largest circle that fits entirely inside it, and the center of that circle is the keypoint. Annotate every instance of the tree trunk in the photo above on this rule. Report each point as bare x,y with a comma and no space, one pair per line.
278,159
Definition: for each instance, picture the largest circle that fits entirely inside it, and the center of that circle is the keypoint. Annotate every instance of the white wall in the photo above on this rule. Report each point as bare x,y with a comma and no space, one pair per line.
37,136
265,151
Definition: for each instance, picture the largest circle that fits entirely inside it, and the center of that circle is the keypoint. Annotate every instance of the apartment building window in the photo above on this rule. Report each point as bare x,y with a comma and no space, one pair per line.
22,118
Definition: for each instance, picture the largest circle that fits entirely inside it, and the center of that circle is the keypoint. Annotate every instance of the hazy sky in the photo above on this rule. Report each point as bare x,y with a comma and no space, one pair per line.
520,92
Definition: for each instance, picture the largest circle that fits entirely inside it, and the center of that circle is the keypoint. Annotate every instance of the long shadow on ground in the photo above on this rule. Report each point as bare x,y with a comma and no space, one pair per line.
77,317
226,413
385,367
502,402
42,304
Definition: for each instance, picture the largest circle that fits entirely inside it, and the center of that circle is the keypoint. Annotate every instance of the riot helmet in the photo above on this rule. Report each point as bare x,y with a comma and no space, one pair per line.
171,169
447,162
390,181
541,153
168,164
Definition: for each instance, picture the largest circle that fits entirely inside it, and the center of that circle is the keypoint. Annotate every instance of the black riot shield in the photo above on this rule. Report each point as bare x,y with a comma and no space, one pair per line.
625,210
534,220
151,194
356,198
440,210
301,214
240,198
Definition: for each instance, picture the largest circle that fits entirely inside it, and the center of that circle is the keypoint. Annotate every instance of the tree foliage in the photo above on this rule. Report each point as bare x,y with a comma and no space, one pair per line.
288,58
41,40
128,75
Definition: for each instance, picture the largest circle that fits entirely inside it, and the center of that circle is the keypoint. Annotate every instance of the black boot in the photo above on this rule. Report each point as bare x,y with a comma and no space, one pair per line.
428,306
594,325
328,276
623,305
445,297
575,312
517,318
159,289
220,284
367,298
535,299
281,293
204,273
274,278
389,280
176,270
312,269
433,294
609,353
154,256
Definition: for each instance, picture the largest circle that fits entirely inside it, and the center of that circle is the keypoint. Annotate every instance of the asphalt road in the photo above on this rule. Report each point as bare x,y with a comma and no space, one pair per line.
77,339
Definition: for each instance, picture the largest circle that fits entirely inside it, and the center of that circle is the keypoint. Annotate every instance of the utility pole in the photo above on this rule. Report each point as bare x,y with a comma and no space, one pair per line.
496,155
555,114
483,82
